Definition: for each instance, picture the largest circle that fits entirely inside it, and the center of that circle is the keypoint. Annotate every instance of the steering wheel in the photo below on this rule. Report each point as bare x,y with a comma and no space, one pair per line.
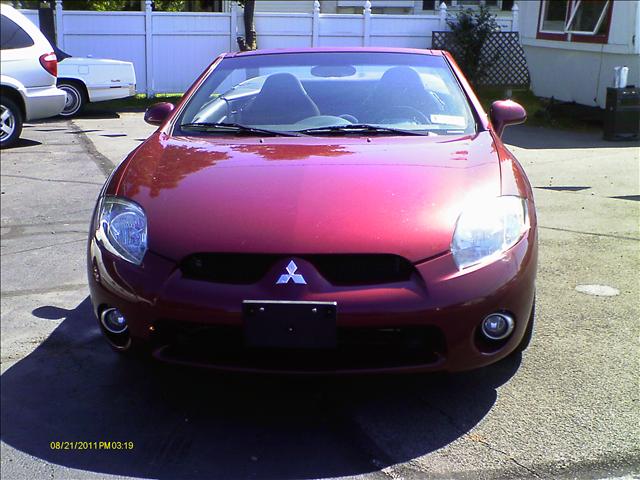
403,113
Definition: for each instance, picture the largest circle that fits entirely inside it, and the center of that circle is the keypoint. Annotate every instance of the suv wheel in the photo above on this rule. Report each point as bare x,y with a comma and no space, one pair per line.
10,122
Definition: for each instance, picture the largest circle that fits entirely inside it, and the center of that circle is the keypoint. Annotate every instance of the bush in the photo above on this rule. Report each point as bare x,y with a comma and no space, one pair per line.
118,5
470,30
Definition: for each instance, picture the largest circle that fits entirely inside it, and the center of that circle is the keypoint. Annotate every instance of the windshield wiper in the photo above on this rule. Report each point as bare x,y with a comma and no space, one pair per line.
234,128
363,128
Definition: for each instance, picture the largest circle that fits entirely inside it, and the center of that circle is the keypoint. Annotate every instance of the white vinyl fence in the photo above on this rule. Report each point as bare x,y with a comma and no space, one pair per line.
170,49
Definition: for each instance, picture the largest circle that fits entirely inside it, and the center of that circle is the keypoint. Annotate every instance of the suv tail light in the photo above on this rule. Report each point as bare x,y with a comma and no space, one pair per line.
49,62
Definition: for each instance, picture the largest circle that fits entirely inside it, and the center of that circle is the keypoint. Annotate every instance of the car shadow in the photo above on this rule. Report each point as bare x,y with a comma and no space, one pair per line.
97,113
524,136
25,142
195,424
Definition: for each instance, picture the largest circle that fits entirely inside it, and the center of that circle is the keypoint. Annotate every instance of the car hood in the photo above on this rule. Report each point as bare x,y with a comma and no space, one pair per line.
299,195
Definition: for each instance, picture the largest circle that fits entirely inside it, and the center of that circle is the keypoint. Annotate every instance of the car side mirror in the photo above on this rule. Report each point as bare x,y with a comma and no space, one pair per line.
156,114
506,112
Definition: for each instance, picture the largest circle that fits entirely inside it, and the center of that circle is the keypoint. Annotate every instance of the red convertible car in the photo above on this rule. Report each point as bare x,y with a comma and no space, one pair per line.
337,210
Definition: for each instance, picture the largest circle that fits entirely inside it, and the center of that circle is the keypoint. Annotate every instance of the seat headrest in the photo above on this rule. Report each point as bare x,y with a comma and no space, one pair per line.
282,83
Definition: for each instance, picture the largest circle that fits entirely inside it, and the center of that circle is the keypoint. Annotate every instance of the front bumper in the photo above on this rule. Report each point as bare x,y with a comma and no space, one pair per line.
440,305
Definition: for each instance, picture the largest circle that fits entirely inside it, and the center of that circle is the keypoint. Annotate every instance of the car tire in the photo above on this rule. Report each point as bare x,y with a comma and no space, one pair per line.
10,122
76,98
528,333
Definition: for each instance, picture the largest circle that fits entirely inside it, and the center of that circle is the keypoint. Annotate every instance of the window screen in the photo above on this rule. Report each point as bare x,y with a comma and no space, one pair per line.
12,36
589,17
555,12
507,5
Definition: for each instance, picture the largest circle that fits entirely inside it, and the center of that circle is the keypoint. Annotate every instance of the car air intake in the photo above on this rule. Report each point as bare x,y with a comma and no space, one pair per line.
337,269
358,348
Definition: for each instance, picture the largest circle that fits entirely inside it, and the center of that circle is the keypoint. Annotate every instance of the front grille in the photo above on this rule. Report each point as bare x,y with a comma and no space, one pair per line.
238,269
362,269
337,269
357,348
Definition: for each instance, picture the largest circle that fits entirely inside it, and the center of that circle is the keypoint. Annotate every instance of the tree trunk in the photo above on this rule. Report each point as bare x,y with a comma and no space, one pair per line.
47,23
250,42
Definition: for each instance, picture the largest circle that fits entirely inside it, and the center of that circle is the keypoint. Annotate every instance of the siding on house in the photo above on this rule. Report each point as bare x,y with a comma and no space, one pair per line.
285,6
581,72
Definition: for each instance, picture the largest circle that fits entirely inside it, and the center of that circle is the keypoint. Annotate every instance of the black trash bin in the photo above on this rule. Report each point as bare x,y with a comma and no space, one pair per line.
622,114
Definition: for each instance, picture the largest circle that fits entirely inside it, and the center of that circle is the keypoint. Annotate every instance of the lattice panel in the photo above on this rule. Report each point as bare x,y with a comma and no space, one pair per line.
509,69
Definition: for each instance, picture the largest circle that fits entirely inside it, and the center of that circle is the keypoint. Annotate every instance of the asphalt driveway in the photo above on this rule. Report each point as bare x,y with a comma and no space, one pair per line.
569,408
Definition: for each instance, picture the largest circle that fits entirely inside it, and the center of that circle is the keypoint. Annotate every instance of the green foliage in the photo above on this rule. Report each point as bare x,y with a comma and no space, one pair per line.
120,5
109,5
101,5
26,4
169,5
470,30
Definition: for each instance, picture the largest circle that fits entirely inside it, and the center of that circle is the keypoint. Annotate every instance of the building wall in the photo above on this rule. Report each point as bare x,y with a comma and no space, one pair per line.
283,6
581,72
329,6
577,76
356,6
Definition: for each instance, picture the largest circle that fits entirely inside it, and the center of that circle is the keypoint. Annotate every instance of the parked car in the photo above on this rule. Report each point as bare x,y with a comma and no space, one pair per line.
320,211
88,79
28,75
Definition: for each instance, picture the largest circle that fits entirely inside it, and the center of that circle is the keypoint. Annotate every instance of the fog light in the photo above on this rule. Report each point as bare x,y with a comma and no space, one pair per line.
497,326
113,320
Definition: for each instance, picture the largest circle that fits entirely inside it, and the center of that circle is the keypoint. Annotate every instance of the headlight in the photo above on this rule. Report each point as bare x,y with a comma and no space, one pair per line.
122,228
489,228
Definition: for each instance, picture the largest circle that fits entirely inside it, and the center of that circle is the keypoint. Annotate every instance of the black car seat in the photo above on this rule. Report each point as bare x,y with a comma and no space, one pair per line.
282,100
399,87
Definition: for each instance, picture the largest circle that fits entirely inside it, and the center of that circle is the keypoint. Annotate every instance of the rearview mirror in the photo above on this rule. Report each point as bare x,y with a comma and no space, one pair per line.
156,114
506,112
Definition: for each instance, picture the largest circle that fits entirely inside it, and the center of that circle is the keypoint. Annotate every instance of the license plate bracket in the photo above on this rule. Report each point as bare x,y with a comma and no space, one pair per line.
289,324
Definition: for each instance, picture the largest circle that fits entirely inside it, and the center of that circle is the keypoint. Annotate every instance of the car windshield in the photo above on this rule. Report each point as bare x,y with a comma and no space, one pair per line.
330,93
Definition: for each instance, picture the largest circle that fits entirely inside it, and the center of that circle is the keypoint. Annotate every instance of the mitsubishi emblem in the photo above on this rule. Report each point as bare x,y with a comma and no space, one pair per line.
291,275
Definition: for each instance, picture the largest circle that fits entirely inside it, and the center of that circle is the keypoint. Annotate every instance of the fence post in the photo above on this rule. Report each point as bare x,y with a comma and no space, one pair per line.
443,16
233,28
59,27
515,27
316,24
148,57
367,24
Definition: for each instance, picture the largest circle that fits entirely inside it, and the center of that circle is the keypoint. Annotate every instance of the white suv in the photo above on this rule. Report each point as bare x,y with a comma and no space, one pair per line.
28,70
